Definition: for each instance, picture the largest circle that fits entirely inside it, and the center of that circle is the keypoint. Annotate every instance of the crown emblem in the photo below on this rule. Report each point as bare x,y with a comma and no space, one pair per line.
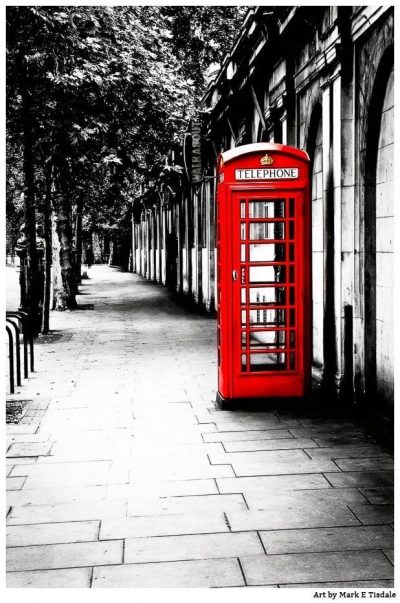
266,160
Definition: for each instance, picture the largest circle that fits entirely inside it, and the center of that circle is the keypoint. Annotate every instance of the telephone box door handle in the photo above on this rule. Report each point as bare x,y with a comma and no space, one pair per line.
234,275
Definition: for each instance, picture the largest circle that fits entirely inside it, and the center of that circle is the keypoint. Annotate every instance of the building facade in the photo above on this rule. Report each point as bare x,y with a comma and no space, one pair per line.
320,79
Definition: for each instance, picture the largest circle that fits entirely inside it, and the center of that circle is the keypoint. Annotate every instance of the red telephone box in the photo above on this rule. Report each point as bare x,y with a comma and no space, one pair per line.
263,273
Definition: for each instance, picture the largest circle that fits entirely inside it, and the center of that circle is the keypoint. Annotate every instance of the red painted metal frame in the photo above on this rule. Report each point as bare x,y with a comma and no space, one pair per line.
293,380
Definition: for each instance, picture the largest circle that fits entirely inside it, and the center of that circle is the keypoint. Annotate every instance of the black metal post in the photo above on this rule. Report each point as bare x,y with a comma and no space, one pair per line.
17,349
11,358
23,318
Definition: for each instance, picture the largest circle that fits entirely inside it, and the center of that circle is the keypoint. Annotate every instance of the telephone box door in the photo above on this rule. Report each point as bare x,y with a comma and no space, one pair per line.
267,293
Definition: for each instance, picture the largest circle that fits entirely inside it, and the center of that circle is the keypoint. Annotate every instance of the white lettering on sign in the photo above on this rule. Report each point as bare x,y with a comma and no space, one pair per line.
196,151
284,173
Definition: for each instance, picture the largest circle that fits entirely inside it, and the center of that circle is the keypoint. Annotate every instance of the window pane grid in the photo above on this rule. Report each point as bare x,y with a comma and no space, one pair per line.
268,360
264,208
265,307
279,219
271,350
278,273
268,332
274,295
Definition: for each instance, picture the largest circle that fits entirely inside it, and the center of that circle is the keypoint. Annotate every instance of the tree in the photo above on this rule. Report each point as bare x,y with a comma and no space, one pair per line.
93,113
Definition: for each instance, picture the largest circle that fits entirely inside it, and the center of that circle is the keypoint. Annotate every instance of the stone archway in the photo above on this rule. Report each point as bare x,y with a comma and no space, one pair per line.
378,238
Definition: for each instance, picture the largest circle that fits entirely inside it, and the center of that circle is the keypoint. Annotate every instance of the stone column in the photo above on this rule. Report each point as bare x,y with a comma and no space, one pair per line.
332,196
186,264
164,243
283,119
337,223
153,214
133,245
207,256
148,244
197,248
329,336
143,227
180,232
158,211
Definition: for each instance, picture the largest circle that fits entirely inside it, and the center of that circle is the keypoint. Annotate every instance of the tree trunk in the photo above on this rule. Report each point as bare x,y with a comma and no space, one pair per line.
32,280
64,278
47,256
78,244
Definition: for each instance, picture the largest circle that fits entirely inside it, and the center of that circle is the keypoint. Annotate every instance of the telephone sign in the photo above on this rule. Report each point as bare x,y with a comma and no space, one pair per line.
264,273
267,173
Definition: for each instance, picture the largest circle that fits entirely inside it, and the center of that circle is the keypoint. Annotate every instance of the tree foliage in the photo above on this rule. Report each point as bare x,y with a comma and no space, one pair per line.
202,35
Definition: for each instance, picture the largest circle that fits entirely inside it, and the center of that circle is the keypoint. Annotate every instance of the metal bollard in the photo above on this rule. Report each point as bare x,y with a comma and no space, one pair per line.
28,339
17,348
22,319
11,358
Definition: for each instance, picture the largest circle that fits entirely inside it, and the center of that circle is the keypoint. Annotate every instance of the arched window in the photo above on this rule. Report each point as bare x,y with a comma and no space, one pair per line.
378,240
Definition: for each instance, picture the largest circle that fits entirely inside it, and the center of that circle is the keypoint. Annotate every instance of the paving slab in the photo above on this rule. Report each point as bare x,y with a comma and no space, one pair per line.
316,567
250,468
378,496
266,457
166,462
68,469
15,483
52,496
268,483
350,451
178,574
326,431
261,499
59,556
373,514
163,525
343,439
157,450
277,542
185,504
24,437
75,511
365,464
72,474
364,584
243,425
67,578
360,479
90,454
389,554
25,460
197,546
52,533
269,444
27,449
163,488
294,516
174,473
248,435
22,428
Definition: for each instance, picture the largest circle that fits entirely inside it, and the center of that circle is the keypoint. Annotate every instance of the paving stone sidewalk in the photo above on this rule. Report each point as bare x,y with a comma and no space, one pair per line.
123,473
